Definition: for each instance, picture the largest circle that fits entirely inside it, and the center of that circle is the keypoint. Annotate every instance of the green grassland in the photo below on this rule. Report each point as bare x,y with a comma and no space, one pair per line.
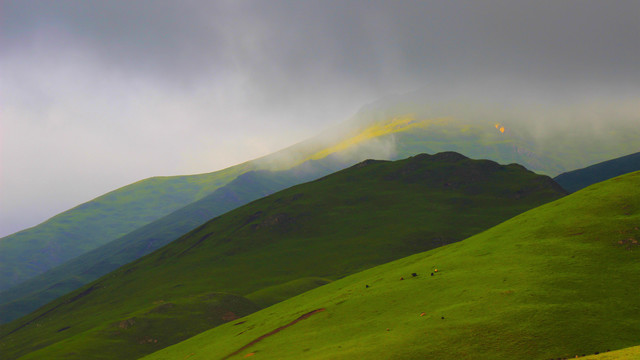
389,130
94,223
39,290
274,248
631,353
551,283
125,211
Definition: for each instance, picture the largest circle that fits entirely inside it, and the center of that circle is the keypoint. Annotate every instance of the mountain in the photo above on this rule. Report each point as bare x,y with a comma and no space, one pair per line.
29,295
577,179
277,247
552,283
88,226
33,251
392,128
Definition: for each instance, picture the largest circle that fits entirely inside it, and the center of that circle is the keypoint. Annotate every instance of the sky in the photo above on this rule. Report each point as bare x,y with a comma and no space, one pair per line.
95,95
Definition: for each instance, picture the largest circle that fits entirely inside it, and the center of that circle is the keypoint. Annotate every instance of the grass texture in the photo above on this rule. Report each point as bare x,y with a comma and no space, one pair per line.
552,283
275,247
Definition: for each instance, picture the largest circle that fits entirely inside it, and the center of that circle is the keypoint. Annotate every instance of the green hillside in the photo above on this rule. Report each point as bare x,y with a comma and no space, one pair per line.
578,179
632,353
27,296
274,248
390,129
33,251
552,283
141,217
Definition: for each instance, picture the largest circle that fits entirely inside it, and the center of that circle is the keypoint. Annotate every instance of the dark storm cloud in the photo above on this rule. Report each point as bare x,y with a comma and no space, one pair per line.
97,94
280,45
160,38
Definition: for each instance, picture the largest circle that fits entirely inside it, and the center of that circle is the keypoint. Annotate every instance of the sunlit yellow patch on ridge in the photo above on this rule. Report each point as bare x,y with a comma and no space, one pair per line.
398,124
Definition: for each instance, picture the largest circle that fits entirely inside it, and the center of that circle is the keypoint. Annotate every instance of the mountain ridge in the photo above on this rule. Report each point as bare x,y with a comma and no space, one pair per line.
327,228
469,129
552,282
580,178
37,291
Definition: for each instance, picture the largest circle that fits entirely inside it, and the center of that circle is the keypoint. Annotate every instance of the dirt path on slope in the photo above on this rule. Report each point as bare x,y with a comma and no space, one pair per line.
257,340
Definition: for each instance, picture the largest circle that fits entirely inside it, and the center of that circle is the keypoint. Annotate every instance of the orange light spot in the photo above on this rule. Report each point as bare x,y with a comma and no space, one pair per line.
249,354
422,314
502,129
497,126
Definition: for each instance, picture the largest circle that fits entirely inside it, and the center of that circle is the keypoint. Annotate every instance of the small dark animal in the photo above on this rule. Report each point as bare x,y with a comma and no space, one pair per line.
431,274
367,285
414,274
442,318
401,278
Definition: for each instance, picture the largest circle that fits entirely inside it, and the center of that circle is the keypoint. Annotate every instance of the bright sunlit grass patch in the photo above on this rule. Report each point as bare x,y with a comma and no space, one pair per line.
397,124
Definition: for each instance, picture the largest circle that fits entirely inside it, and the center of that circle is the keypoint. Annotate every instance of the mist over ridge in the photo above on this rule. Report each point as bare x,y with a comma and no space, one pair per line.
610,127
98,95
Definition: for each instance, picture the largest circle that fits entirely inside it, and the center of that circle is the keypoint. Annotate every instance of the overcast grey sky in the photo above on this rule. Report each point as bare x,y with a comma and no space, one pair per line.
98,94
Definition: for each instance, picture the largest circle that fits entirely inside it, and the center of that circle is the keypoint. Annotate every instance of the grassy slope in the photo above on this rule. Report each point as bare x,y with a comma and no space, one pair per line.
37,291
87,226
97,222
406,133
578,179
631,353
346,222
31,252
386,130
554,282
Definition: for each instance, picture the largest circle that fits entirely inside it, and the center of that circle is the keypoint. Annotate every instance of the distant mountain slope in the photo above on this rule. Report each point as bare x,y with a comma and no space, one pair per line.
392,128
33,251
577,179
37,291
555,282
276,247
88,226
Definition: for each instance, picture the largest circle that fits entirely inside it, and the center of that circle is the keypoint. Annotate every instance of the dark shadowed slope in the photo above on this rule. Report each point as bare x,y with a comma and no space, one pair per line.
35,292
285,243
553,283
577,179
